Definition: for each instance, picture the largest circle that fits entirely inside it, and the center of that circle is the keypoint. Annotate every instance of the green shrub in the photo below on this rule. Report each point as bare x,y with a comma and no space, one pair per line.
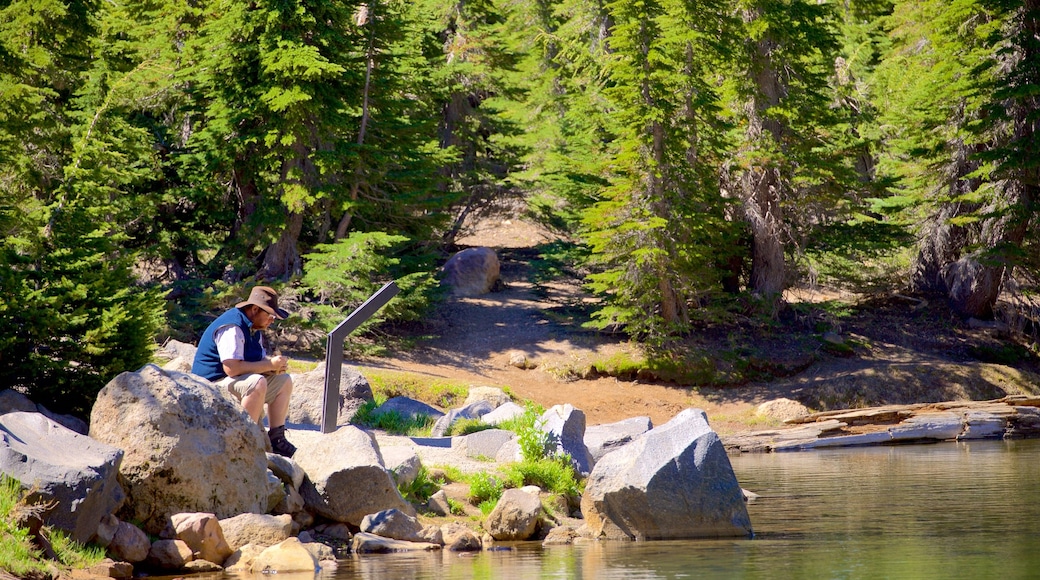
420,489
554,474
484,487
342,275
456,507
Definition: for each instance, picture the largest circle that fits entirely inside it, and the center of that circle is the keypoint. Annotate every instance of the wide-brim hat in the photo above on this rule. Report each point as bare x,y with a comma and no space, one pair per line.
266,299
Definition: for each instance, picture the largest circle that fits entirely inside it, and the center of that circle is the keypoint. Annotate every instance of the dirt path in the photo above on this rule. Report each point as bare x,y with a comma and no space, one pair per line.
902,352
475,338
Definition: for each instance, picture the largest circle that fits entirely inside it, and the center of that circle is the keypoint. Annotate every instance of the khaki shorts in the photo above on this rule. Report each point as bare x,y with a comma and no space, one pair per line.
243,385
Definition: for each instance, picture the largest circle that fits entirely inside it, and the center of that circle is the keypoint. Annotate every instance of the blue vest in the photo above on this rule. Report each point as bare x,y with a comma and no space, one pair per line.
207,360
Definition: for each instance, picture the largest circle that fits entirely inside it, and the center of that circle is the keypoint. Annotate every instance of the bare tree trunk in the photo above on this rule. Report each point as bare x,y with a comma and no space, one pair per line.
282,258
762,186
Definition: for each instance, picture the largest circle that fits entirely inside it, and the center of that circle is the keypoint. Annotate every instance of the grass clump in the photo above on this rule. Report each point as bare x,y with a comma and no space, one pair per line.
18,553
467,426
444,394
391,421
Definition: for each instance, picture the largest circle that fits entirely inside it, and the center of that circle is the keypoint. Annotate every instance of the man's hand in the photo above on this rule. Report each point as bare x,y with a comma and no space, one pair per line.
234,368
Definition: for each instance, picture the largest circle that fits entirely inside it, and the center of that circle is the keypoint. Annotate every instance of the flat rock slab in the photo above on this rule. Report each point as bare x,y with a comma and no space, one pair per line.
1015,416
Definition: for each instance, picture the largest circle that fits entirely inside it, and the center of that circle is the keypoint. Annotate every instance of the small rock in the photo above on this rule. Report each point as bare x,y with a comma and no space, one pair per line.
438,503
782,409
129,543
288,556
169,554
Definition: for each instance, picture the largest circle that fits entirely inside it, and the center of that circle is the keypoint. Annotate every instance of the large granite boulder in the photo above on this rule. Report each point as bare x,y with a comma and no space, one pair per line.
346,477
602,439
72,474
188,447
308,397
673,482
565,426
471,272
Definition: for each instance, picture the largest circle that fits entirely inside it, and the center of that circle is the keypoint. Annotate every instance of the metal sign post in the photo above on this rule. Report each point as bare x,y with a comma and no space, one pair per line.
334,351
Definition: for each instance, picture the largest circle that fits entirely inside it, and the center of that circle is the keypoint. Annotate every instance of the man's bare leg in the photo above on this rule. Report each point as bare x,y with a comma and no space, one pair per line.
253,402
278,409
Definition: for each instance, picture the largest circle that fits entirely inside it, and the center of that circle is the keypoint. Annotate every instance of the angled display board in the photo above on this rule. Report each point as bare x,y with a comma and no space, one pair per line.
334,351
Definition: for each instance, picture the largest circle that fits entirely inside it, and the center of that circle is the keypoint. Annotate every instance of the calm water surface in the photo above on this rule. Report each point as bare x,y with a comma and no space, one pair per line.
950,510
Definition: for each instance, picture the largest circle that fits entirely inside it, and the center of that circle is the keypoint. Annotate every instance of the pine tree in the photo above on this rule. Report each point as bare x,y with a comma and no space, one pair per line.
71,314
659,229
787,170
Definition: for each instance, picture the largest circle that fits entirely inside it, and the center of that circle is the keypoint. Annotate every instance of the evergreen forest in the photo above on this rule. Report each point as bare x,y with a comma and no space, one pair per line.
158,157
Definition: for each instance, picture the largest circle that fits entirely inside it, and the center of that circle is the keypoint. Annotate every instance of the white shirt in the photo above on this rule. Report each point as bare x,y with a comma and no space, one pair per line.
231,343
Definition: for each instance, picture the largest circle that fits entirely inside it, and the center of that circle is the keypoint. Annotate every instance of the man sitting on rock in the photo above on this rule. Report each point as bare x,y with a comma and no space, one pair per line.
231,353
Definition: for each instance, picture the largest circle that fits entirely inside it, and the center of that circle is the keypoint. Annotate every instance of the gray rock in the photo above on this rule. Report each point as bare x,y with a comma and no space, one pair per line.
289,555
471,272
782,409
486,443
408,408
292,503
983,425
12,400
602,439
72,473
432,534
474,410
189,447
503,413
402,462
306,404
515,516
179,364
275,491
169,554
509,452
257,529
672,482
286,469
129,544
201,566
438,503
203,534
365,543
459,538
174,349
393,524
347,479
565,426
494,395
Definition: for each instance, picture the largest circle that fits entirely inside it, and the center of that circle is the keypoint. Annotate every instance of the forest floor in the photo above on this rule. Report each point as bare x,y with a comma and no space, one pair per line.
826,350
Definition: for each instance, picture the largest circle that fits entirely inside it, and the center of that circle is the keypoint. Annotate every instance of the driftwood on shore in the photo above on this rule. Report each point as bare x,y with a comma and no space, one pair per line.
1011,417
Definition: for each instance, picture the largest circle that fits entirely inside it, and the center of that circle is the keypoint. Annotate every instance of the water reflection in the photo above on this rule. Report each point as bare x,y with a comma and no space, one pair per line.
951,510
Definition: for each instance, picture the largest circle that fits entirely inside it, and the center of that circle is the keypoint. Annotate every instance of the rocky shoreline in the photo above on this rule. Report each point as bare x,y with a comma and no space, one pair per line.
167,451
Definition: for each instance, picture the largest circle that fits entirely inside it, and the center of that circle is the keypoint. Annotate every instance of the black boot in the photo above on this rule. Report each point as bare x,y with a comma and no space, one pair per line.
279,443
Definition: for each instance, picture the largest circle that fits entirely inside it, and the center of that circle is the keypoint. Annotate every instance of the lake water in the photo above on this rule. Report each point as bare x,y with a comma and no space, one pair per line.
948,510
